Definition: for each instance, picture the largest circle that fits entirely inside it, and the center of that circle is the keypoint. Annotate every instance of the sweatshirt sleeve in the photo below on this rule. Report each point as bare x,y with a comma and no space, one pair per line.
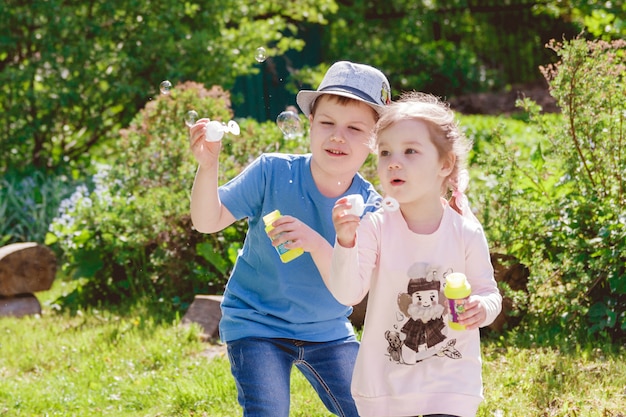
351,268
481,275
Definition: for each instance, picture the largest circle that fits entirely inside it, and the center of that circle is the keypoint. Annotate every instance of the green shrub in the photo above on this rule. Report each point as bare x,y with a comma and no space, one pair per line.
129,234
557,201
28,203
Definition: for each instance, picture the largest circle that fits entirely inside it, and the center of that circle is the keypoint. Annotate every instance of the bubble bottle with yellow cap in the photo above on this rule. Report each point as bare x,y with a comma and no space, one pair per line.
457,290
285,254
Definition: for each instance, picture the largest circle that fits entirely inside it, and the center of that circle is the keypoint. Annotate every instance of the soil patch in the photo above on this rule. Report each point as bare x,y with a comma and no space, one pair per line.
503,102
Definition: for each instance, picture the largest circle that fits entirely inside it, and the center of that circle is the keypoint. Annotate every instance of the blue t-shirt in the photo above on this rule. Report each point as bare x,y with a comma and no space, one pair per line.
265,297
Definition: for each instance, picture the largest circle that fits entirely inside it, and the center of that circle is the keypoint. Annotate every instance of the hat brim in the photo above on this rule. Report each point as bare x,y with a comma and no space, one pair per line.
305,99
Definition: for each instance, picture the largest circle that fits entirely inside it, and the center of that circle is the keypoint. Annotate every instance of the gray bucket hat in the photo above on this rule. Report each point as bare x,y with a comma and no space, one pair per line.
348,79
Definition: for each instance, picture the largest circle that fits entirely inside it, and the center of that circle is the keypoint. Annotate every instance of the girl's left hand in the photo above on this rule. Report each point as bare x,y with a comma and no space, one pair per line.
474,314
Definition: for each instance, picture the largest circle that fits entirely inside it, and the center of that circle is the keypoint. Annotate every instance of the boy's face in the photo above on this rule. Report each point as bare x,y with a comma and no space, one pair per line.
340,139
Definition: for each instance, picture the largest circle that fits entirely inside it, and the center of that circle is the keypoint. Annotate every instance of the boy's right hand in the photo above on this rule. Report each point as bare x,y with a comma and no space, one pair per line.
345,223
206,153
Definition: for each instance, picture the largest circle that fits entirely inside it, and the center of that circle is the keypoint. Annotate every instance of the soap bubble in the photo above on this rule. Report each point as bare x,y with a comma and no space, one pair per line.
289,123
165,87
260,54
191,117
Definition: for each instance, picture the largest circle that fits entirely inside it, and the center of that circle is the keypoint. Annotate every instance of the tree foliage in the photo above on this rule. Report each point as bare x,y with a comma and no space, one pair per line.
446,47
73,73
602,19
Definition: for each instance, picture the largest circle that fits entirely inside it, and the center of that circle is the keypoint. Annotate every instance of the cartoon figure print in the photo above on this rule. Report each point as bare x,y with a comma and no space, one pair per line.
423,314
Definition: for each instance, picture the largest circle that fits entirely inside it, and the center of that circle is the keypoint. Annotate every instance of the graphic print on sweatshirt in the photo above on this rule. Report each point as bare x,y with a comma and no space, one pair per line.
421,329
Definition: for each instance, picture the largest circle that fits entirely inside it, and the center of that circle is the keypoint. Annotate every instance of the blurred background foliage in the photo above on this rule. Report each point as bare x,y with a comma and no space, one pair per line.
73,74
94,159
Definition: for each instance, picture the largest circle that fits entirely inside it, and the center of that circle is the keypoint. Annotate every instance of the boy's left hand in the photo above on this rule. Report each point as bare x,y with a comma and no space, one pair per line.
295,234
474,315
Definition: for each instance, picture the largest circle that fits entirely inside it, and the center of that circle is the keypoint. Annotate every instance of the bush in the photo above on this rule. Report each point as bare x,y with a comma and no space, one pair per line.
28,203
558,202
128,233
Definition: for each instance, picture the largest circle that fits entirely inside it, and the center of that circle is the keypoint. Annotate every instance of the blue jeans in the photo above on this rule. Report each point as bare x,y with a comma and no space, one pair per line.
262,371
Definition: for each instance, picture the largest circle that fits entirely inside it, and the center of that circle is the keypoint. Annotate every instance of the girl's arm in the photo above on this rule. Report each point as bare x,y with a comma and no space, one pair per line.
485,303
353,256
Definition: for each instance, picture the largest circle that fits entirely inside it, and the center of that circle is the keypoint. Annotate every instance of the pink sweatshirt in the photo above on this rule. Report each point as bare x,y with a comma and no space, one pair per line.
410,361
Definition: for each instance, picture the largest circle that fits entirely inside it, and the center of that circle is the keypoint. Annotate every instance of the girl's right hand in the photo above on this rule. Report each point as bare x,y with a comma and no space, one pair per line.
206,153
345,223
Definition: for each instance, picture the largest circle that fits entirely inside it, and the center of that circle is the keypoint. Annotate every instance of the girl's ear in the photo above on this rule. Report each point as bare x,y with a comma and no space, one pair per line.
447,165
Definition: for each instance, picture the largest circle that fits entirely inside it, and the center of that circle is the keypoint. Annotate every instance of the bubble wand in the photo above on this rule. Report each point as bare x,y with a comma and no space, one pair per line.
214,130
358,205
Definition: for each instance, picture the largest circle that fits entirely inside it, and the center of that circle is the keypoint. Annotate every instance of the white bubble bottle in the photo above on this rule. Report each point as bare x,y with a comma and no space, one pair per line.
457,290
285,254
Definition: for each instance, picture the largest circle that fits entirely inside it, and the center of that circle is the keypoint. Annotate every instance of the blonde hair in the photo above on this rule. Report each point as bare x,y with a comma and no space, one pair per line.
342,100
442,126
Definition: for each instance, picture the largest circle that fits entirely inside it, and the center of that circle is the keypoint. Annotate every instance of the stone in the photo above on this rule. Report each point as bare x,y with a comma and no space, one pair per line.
26,268
18,306
205,311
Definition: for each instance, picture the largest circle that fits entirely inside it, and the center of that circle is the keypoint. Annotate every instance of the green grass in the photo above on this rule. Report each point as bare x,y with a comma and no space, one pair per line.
549,382
99,363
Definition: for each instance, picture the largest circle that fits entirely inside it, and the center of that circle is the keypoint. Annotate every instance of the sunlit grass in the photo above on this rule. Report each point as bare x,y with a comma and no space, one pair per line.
99,363
548,382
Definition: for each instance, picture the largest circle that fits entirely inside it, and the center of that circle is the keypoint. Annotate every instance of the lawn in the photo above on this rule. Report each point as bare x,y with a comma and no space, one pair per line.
104,363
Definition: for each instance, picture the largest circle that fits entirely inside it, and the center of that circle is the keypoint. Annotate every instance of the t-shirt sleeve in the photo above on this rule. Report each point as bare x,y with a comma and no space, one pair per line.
243,195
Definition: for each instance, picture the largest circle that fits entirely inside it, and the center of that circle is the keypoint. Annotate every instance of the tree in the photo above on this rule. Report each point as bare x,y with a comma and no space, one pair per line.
601,19
447,47
73,73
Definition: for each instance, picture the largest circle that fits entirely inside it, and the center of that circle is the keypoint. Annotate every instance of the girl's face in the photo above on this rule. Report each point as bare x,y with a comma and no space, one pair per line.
409,166
340,136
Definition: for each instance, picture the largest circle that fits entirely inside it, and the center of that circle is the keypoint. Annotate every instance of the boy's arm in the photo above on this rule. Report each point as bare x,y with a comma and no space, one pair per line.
208,215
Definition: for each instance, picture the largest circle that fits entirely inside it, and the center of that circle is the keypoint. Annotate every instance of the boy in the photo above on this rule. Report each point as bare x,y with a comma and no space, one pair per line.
279,314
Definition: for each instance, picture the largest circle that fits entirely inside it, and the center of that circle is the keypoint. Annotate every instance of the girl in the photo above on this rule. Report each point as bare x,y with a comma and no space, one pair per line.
411,361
